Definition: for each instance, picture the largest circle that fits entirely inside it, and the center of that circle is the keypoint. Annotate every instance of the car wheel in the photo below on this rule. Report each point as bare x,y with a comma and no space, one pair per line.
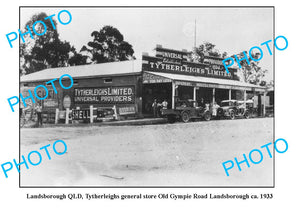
247,115
171,119
185,117
207,116
232,115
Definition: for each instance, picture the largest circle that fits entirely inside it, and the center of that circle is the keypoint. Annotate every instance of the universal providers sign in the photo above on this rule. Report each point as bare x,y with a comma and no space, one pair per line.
104,95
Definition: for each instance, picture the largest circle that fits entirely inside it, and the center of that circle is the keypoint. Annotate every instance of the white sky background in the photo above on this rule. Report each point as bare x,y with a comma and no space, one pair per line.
231,29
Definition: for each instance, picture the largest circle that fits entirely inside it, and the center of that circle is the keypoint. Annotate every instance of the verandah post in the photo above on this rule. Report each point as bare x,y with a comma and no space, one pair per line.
173,94
56,115
67,115
91,113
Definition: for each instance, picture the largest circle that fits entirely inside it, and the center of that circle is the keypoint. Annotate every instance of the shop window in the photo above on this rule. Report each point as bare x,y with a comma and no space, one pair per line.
107,80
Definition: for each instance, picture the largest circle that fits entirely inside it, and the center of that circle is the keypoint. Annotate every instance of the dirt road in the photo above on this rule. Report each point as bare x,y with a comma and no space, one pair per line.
180,154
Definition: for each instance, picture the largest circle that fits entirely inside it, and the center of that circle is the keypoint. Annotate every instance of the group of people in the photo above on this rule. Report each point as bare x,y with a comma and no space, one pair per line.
156,107
214,106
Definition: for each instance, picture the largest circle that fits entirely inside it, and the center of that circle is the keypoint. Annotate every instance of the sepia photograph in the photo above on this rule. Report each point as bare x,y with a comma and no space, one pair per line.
146,96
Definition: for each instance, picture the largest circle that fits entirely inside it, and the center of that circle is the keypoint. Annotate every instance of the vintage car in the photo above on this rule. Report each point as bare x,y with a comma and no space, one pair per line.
232,109
187,110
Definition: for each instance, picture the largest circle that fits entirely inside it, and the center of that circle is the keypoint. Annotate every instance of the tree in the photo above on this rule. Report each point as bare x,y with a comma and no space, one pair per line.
46,51
79,58
108,45
207,48
270,84
252,72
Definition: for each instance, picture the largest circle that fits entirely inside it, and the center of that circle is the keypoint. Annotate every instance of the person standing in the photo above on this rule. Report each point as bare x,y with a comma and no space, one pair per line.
38,110
164,104
215,108
154,108
202,104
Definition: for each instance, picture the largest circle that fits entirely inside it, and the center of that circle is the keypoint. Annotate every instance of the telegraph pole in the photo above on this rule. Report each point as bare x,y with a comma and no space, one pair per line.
195,34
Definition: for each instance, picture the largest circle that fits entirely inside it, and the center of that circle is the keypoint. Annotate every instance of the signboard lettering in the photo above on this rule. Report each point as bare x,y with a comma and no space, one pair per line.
80,114
50,102
173,61
104,95
171,56
127,110
149,78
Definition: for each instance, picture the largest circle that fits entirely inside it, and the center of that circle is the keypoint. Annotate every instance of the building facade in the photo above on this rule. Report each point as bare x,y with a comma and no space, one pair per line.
132,86
169,75
100,85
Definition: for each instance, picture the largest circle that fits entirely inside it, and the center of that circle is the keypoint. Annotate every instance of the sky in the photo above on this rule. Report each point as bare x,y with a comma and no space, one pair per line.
231,29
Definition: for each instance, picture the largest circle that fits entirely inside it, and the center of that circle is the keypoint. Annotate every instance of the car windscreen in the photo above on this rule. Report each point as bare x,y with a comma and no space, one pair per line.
225,104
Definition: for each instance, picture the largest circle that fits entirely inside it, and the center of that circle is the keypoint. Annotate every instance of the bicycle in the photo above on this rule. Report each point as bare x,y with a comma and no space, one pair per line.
26,116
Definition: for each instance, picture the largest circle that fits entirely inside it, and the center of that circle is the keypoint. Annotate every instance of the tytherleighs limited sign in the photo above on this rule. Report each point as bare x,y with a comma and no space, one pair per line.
104,95
173,61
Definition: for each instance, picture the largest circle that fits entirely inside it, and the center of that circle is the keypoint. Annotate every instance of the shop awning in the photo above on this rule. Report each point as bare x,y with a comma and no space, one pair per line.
198,81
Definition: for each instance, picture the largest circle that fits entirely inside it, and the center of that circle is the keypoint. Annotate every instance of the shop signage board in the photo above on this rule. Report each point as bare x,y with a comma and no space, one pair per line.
172,61
210,85
126,110
80,114
104,95
50,102
67,101
153,79
171,56
62,114
84,114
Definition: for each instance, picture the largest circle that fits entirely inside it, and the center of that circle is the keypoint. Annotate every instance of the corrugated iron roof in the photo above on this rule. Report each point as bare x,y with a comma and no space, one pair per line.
123,68
87,71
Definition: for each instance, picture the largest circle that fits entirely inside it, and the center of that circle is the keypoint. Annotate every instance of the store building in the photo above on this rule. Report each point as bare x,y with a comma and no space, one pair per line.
169,75
132,86
101,85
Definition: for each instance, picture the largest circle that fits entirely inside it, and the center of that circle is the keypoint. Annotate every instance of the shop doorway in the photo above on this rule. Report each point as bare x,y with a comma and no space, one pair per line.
205,93
237,95
158,91
221,94
185,92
